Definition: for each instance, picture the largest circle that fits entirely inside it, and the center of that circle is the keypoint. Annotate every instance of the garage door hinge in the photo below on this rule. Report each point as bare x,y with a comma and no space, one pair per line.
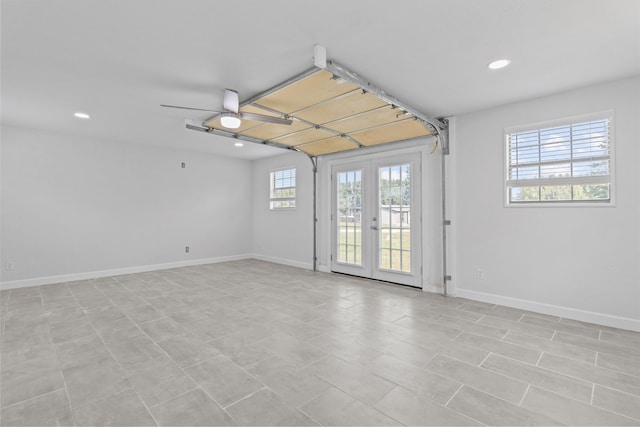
447,222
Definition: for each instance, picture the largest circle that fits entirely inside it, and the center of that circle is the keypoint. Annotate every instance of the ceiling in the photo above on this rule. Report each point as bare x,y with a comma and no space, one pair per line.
118,60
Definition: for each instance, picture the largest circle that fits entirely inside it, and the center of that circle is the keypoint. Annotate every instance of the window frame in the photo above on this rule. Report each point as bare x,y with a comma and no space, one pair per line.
273,199
567,121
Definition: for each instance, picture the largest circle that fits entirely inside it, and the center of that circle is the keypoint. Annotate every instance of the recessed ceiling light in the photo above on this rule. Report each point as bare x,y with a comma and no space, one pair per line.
238,144
500,63
82,115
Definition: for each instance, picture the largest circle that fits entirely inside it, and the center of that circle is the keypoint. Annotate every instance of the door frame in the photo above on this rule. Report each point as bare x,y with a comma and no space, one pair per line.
369,165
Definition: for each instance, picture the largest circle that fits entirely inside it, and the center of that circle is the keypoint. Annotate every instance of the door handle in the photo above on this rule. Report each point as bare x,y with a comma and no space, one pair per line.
374,227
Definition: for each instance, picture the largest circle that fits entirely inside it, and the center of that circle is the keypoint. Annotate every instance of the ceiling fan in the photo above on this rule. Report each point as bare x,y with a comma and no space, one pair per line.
230,117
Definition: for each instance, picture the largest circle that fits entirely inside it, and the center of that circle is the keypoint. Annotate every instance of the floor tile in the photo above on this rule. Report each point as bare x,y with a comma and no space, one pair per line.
94,381
223,380
193,408
354,379
71,330
596,345
452,349
442,331
134,350
51,409
159,380
121,409
265,408
345,347
409,353
30,379
601,376
560,327
336,408
562,384
420,381
514,326
626,340
12,356
617,401
241,349
330,344
411,410
162,329
473,327
82,351
143,313
187,350
571,412
297,386
506,388
617,363
493,345
493,411
553,347
292,349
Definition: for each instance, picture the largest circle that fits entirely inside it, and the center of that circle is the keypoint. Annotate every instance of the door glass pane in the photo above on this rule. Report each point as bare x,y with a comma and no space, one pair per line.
349,217
394,214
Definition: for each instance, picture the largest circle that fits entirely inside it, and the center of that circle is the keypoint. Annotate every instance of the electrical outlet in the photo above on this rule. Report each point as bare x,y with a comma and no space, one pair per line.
186,249
9,265
480,274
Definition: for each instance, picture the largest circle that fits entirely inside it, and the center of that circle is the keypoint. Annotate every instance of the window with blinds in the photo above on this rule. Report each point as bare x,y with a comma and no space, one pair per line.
283,189
560,162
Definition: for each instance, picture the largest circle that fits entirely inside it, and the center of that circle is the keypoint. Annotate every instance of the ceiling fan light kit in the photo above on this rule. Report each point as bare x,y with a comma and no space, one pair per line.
230,120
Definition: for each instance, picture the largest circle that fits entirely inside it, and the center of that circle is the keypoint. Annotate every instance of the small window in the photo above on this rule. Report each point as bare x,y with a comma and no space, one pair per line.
283,189
560,162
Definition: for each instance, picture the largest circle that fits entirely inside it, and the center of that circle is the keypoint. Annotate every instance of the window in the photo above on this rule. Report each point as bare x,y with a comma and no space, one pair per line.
283,189
560,162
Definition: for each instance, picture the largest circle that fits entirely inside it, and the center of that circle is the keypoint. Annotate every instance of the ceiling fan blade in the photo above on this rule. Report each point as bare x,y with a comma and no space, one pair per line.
189,108
263,118
231,100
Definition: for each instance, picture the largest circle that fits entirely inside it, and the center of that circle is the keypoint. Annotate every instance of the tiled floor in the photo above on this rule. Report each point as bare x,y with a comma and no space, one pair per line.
253,343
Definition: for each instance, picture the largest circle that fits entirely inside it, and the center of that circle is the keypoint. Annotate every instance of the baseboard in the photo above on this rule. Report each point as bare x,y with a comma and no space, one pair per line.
553,310
38,281
284,261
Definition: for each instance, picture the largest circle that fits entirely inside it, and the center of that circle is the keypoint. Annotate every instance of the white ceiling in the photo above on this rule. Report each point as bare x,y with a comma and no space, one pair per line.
119,59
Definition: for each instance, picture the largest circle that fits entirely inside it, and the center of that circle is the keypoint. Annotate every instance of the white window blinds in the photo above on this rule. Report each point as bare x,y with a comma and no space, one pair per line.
283,189
568,162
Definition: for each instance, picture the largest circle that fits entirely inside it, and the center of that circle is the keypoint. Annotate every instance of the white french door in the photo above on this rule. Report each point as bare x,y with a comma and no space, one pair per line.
376,219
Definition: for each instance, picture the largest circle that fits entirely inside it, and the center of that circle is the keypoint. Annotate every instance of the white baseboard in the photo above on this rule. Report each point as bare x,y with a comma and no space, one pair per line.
37,281
289,262
553,310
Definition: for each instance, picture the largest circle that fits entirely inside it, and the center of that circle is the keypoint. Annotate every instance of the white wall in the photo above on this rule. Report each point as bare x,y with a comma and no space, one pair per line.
72,206
580,262
283,236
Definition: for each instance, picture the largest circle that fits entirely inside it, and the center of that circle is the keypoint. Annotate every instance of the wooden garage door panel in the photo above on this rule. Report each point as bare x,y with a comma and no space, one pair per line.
304,93
345,106
302,137
368,120
269,131
327,146
398,131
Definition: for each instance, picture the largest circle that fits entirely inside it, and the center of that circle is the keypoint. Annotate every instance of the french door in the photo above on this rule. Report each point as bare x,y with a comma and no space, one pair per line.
376,219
